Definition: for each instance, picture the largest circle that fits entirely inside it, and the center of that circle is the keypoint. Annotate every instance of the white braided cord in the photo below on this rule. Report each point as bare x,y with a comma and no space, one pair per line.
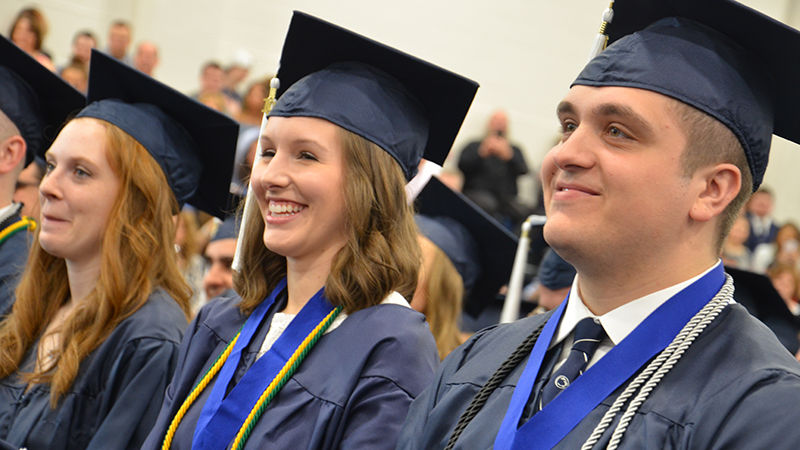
658,368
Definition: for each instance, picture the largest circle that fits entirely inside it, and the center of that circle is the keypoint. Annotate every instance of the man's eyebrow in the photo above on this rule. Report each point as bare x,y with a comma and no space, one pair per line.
626,113
565,107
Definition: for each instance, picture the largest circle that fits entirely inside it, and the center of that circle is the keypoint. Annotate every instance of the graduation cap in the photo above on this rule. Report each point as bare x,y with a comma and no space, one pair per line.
192,143
719,56
481,249
554,272
757,294
36,100
408,107
228,228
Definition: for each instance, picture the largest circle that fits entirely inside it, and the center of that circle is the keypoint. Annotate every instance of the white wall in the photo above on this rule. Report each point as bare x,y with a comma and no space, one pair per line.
524,53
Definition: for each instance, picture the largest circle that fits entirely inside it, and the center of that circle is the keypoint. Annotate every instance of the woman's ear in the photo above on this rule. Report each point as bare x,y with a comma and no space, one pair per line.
721,184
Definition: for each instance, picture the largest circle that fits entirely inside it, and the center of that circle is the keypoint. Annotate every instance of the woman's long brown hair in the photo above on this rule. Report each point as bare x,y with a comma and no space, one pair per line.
381,254
137,257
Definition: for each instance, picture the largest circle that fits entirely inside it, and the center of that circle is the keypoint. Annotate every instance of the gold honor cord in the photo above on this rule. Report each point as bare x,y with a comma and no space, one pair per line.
282,377
198,389
269,393
22,224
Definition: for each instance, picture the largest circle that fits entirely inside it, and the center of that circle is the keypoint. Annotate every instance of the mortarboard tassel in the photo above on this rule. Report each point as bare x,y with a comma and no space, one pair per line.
269,102
601,40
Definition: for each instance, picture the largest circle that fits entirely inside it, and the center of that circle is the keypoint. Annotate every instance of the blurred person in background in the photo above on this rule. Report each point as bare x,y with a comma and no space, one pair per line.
189,242
218,256
734,251
236,73
555,278
253,103
763,228
82,44
77,76
491,167
212,82
466,257
27,190
784,249
119,39
145,58
786,280
28,31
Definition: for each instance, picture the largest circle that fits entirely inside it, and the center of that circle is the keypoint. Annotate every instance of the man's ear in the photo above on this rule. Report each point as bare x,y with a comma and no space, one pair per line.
12,152
720,185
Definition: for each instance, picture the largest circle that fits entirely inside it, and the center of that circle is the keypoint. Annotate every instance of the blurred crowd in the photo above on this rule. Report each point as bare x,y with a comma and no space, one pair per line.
488,167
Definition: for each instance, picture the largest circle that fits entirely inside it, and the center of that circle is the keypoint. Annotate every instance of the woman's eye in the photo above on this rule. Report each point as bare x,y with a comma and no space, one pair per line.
49,167
307,155
267,153
81,173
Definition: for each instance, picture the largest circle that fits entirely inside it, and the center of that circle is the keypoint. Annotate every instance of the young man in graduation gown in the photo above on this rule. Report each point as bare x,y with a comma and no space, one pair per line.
34,103
666,133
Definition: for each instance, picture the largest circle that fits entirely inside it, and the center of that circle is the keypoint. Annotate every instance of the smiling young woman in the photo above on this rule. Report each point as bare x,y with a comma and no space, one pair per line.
92,339
319,348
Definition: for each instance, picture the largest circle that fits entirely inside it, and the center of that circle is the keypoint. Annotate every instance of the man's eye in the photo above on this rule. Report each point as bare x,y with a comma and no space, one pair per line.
616,132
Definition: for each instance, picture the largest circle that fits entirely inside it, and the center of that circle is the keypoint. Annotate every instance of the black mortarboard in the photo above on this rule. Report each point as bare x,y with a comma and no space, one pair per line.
408,107
35,99
719,56
192,143
494,246
756,292
228,229
554,272
456,242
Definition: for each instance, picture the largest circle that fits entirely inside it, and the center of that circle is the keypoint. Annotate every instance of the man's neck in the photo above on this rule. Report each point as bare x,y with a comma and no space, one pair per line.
604,292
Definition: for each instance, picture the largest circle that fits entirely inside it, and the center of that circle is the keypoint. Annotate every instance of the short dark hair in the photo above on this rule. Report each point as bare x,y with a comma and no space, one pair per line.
210,65
84,33
121,23
709,141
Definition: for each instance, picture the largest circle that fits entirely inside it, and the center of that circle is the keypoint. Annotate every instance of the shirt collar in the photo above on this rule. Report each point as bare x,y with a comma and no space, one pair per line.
619,322
8,211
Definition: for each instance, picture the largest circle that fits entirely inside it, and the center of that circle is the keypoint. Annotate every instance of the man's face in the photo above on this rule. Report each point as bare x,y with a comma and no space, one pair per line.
119,37
613,186
498,123
27,190
219,257
82,48
761,204
146,58
212,80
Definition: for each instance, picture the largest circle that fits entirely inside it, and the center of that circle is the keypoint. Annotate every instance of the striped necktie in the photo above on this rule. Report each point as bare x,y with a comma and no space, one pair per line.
588,335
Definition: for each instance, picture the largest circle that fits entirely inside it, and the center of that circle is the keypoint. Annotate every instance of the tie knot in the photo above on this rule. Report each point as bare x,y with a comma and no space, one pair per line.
588,335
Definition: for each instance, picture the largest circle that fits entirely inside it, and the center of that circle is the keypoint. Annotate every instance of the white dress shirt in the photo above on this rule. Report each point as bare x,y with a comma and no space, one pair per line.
617,323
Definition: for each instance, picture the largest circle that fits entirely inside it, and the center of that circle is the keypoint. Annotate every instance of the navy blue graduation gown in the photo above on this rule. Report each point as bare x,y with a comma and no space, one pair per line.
13,256
352,390
115,397
735,387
